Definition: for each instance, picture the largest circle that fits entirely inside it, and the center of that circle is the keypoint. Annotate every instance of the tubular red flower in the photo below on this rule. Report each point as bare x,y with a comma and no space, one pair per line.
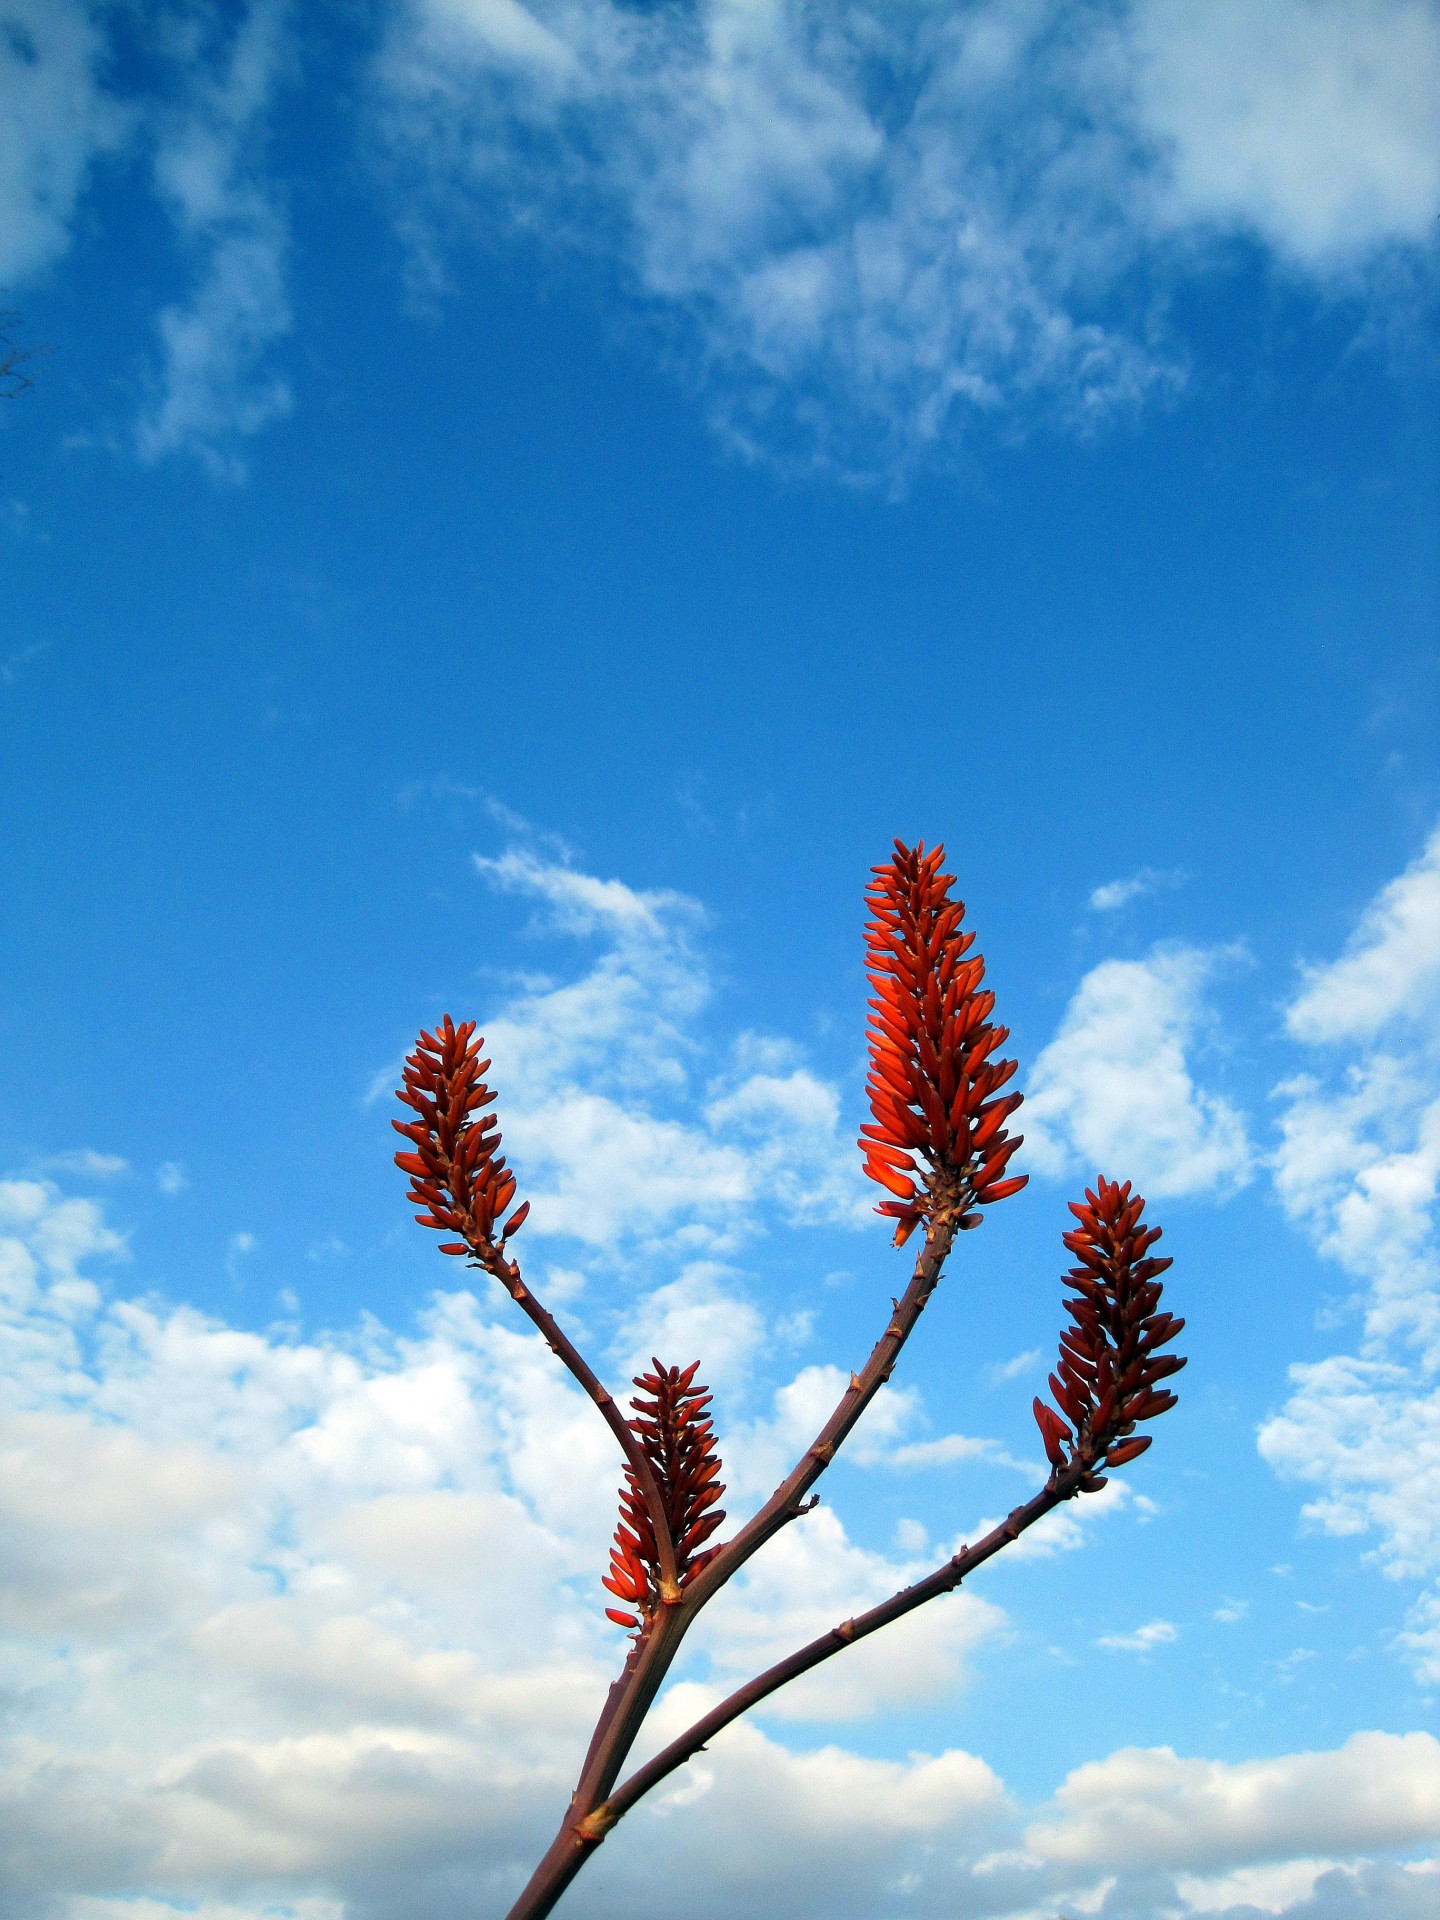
932,1085
1110,1360
673,1427
457,1174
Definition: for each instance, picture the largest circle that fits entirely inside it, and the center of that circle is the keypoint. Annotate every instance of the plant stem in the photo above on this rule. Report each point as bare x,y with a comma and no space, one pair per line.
945,1579
632,1695
507,1272
783,1506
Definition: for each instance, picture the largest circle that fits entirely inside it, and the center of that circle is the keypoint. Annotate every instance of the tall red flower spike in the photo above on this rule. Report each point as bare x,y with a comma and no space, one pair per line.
673,1427
1110,1361
456,1171
934,1088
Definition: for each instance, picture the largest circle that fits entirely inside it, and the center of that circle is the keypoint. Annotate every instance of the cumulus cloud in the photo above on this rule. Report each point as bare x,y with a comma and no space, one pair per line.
880,224
1148,1807
1357,1168
629,1131
1358,1428
1306,123
310,1630
1390,969
1115,1089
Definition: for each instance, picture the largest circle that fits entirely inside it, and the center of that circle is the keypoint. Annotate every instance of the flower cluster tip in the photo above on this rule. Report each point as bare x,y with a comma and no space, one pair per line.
458,1175
1110,1362
673,1426
937,1138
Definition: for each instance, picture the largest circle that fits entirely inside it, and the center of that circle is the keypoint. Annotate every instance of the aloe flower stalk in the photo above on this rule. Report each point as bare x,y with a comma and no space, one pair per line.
937,1142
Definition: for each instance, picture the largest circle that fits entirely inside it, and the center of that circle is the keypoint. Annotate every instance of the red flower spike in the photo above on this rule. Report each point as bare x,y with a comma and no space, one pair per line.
673,1427
1110,1359
933,1086
457,1174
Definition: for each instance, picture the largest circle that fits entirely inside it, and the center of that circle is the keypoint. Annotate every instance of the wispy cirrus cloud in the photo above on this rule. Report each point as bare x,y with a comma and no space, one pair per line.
877,226
57,119
1155,1633
214,390
862,230
201,117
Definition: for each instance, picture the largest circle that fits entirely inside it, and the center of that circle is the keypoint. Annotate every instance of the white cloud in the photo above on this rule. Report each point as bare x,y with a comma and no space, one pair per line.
88,1164
1366,1432
1357,1168
622,1128
809,1579
213,387
1307,123
1390,969
880,223
1021,1366
281,1622
1147,1807
1155,1633
1272,1889
1114,1093
1065,1529
55,121
312,1630
1119,893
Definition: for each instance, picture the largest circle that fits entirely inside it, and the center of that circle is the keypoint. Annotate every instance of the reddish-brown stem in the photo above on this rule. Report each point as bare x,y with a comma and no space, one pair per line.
634,1692
1061,1486
784,1504
494,1261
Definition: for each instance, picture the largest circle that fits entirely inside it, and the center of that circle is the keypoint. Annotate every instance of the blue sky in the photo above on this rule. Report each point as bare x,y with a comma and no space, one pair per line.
517,506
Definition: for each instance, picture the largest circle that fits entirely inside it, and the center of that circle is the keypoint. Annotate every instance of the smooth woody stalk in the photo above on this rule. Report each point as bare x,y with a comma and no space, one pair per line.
1060,1487
938,1146
458,1177
507,1272
784,1505
633,1694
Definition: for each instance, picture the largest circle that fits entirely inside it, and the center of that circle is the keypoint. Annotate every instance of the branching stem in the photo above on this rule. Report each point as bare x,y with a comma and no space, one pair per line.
507,1271
593,1810
1061,1486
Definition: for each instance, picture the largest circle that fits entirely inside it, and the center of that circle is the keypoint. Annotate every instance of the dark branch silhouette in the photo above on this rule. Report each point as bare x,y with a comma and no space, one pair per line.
14,358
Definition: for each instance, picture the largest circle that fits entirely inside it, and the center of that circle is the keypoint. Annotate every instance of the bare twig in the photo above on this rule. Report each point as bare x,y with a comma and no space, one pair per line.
13,357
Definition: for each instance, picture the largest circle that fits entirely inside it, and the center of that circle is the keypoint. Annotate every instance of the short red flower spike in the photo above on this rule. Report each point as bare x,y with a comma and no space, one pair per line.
456,1171
1110,1361
934,1088
673,1427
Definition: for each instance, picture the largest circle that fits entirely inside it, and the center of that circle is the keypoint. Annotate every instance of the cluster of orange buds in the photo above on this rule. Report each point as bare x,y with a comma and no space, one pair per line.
672,1425
457,1173
934,1087
1110,1359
